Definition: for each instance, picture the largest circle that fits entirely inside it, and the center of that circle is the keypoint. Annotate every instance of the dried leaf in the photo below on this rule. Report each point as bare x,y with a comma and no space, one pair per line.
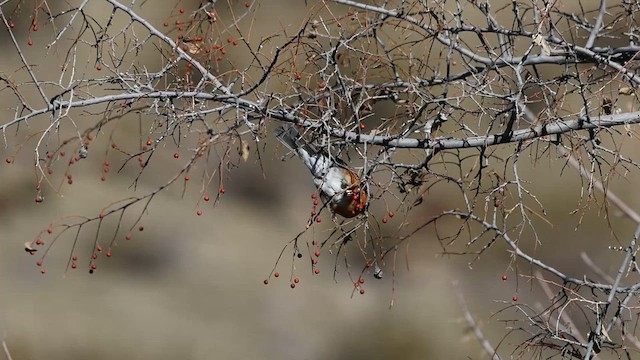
193,48
540,41
29,248
244,150
625,91
607,105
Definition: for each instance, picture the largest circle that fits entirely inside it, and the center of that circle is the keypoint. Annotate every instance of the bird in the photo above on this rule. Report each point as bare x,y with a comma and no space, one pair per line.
339,185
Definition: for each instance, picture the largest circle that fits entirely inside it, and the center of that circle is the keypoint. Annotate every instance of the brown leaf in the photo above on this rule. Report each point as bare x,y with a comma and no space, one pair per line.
244,150
28,248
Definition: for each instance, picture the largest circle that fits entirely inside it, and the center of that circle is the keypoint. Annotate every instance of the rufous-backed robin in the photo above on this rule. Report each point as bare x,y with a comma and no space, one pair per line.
338,184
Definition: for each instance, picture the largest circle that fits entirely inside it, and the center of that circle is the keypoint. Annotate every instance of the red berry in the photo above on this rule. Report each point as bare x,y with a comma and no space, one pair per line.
166,24
149,142
62,153
384,220
315,202
98,67
266,282
49,230
313,212
276,274
316,271
43,271
361,280
176,155
296,280
293,285
181,11
73,266
361,291
504,277
313,196
317,253
314,261
103,178
99,248
128,237
247,4
221,190
391,214
186,178
318,219
106,163
314,243
141,228
108,254
8,160
38,199
105,169
298,76
74,258
93,266
362,126
94,256
206,198
39,263
38,242
199,212
12,25
30,42
35,27
515,298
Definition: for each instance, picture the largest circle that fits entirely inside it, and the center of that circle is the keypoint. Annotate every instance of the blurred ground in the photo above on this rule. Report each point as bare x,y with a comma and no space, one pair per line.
191,287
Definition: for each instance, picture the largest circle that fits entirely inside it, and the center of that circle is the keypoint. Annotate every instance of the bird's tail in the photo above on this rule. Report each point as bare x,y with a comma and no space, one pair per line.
289,136
316,161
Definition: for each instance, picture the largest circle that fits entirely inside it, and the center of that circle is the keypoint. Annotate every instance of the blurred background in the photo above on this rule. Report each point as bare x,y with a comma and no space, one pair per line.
191,286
